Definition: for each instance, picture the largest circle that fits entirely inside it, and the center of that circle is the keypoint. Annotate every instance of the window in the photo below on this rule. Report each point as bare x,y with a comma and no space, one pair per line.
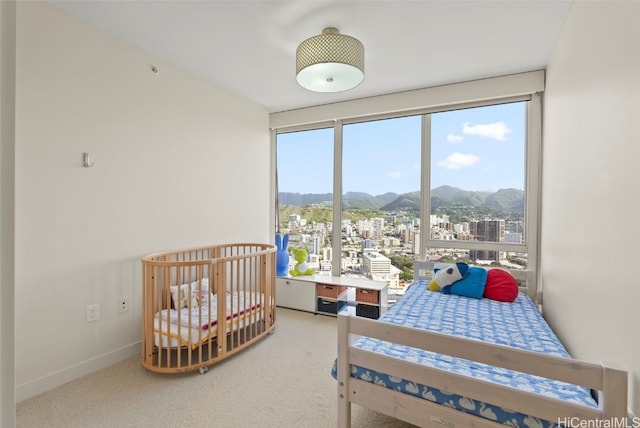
443,185
381,199
477,176
305,195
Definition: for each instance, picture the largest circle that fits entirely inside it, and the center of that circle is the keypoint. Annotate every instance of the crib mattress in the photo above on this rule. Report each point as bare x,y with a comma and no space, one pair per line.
194,326
517,324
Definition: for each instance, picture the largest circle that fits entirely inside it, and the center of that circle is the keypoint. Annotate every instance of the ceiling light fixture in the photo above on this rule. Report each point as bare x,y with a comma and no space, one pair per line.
330,62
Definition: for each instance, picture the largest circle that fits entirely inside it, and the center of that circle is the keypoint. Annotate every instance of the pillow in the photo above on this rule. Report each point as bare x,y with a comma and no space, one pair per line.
472,285
189,295
447,275
501,286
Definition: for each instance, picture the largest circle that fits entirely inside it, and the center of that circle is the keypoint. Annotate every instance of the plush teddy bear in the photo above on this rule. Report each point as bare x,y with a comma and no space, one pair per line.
302,267
447,275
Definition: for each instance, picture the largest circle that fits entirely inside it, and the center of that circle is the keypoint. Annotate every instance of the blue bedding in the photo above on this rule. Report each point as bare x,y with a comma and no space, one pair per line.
517,324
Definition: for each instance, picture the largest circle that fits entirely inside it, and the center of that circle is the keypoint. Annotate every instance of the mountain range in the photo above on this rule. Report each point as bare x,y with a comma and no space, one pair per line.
441,197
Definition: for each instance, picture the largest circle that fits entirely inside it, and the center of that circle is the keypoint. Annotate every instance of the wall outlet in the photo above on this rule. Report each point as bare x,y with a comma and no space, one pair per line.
93,313
123,304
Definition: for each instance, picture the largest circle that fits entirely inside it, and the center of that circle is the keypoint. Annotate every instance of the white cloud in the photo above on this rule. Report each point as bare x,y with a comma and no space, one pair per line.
451,138
393,174
459,160
497,130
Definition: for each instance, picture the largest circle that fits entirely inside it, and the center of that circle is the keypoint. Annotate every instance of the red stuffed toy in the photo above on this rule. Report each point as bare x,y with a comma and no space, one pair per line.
500,286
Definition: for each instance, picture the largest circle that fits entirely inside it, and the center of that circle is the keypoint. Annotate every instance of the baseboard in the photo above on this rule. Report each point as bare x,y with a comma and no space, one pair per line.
53,380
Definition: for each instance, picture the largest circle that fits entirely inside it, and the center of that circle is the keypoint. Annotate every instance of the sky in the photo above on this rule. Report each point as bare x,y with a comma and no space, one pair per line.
473,149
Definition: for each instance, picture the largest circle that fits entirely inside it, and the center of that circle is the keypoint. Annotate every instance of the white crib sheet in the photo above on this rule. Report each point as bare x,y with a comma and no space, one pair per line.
193,326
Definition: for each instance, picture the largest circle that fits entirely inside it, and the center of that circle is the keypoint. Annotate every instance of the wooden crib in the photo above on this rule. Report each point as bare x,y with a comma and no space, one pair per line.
202,305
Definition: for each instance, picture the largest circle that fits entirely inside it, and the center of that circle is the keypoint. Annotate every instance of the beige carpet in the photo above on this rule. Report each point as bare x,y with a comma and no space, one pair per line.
282,381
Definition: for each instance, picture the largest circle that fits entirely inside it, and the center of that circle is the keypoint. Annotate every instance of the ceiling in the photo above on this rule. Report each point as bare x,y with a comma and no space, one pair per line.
248,47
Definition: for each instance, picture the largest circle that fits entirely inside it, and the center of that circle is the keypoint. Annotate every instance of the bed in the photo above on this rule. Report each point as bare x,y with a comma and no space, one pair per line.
438,359
202,305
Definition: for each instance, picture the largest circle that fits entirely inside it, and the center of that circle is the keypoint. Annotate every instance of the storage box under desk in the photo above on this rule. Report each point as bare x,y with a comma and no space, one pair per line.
331,306
330,291
368,311
367,296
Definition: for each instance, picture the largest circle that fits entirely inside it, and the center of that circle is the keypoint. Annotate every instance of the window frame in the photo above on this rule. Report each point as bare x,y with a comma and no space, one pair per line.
533,158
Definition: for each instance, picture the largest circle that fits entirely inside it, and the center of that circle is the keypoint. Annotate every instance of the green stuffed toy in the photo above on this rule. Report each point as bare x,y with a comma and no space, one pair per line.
302,267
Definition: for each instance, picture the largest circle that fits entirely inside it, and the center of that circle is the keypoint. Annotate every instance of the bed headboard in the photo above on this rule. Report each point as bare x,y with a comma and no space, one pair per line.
525,278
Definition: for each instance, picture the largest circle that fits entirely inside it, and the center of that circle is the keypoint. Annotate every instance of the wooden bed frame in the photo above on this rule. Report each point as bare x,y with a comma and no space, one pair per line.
608,380
242,269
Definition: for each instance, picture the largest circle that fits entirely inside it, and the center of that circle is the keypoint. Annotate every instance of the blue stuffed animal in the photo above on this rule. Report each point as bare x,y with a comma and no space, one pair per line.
447,275
282,254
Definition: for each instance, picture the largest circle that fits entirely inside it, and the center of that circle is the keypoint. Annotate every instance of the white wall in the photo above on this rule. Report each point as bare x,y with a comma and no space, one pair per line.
7,205
591,199
178,162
